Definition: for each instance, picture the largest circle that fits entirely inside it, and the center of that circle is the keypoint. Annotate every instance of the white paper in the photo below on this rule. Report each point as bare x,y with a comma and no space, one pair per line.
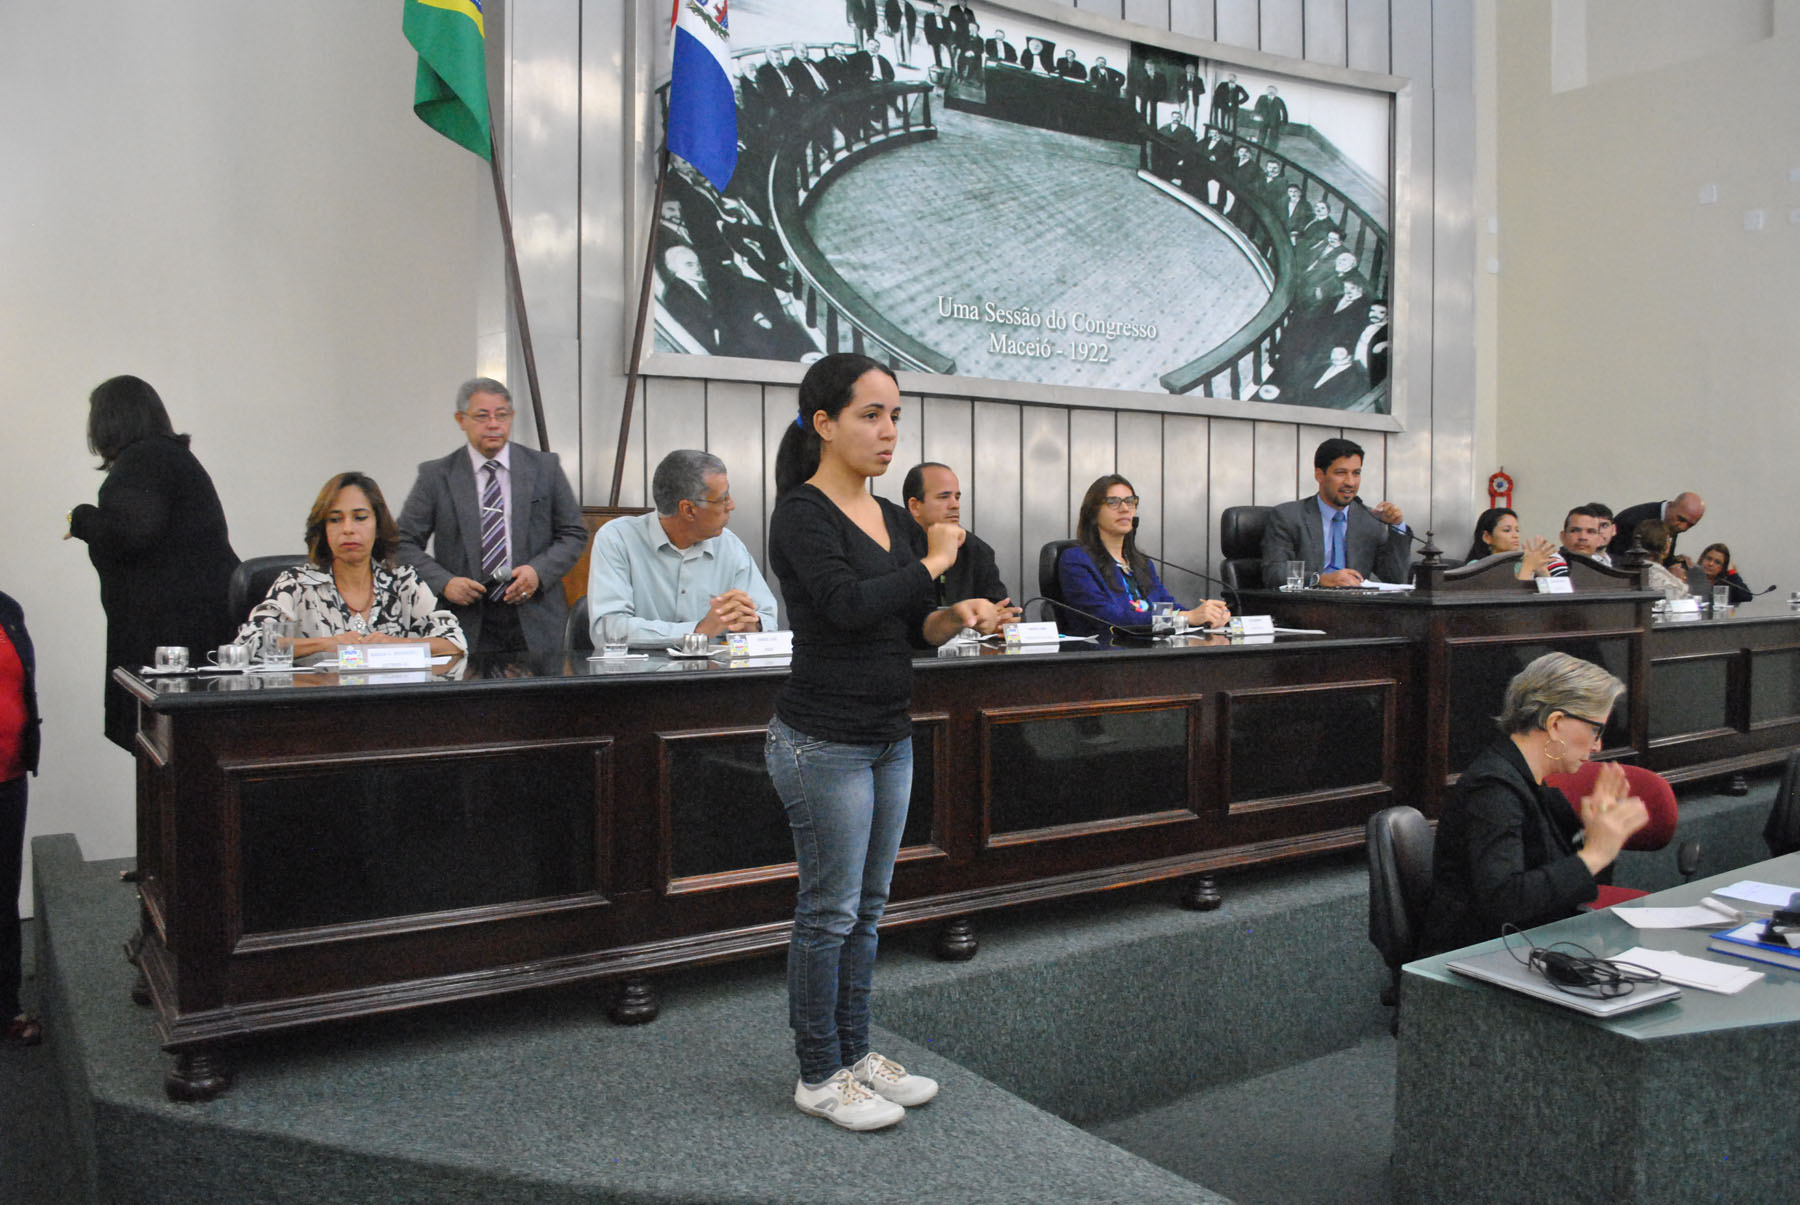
1767,895
1384,587
1688,971
1695,916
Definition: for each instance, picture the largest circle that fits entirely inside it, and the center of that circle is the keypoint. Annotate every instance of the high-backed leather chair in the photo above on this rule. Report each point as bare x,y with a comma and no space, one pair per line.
1048,556
1782,833
1240,546
1659,801
578,634
250,581
1400,855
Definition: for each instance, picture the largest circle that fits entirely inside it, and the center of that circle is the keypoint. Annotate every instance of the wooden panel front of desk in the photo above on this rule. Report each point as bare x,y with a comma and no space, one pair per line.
313,852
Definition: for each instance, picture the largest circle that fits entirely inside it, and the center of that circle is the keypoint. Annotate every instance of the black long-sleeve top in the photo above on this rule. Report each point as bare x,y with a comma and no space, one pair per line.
1505,852
857,611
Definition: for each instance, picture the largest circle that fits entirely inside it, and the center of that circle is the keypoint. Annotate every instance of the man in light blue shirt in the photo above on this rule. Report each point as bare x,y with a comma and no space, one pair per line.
679,570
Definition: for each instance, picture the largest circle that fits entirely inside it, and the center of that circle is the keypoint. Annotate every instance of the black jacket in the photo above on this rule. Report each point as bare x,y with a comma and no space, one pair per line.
1505,853
160,544
12,620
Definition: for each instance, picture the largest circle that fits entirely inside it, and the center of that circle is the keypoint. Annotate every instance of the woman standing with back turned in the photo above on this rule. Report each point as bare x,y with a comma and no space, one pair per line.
840,744
157,538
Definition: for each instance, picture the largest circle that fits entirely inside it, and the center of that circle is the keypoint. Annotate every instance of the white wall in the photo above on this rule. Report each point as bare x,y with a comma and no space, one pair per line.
1646,342
235,202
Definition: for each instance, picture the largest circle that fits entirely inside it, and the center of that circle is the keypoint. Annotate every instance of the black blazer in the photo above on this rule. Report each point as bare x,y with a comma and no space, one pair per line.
12,620
1505,853
159,541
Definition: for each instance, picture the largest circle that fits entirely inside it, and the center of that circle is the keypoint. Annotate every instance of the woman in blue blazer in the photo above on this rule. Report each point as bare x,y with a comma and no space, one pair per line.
1106,576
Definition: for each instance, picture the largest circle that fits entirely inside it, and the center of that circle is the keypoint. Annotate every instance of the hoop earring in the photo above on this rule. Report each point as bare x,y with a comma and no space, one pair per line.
1561,752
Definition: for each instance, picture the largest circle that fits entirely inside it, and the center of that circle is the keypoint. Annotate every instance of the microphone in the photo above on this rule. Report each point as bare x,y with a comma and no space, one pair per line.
1409,532
1106,625
1224,587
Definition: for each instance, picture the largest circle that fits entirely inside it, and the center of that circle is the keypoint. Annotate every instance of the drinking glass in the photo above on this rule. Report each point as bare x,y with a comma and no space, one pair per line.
1721,602
171,656
615,631
278,642
1296,575
1162,619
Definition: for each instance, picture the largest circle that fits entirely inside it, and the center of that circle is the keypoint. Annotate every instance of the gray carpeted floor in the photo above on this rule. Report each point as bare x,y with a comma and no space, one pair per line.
37,1162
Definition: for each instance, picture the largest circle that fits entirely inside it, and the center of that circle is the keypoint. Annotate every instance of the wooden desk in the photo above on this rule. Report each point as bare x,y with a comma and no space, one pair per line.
1502,1097
317,848
1724,694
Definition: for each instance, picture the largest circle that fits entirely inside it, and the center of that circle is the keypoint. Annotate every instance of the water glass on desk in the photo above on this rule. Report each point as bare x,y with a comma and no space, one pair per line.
1721,602
615,634
1296,575
278,643
1162,619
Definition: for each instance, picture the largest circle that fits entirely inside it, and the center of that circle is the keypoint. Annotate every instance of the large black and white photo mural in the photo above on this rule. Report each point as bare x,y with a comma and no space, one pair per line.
984,192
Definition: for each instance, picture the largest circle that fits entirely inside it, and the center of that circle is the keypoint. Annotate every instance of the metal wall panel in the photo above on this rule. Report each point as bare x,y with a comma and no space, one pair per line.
607,252
1327,32
1140,457
1280,22
1193,17
1375,458
543,185
780,409
674,417
993,512
1231,467
1093,452
1369,41
1044,478
1153,13
1409,459
1237,23
1453,254
734,434
1188,522
1277,447
949,438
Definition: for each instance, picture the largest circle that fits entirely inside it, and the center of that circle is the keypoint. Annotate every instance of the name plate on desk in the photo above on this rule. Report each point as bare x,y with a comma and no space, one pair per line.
384,656
1031,633
1554,585
759,644
1682,608
1251,625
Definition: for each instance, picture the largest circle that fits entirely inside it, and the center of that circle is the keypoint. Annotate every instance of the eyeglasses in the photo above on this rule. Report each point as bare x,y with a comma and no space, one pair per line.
1599,726
1121,503
481,417
723,500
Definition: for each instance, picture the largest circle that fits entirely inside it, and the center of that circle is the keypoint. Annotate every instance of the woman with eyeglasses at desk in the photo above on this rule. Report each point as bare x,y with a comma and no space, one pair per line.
1105,574
1511,850
860,599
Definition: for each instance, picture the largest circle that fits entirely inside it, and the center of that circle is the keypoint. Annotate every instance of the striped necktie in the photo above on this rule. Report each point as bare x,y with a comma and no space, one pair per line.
493,525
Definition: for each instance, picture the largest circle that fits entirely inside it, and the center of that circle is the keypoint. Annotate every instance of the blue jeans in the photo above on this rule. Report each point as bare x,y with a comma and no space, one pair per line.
846,805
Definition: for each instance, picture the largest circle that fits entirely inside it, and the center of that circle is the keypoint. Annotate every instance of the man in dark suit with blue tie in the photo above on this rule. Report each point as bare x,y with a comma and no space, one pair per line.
1338,537
503,526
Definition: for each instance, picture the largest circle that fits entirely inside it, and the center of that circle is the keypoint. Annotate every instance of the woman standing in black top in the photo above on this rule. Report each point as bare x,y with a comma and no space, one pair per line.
840,744
157,538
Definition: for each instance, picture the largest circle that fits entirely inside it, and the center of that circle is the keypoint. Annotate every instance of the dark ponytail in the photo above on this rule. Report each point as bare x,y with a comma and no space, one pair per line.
827,386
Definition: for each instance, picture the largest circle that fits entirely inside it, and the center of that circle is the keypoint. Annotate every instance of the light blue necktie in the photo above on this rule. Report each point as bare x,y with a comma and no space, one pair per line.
1334,542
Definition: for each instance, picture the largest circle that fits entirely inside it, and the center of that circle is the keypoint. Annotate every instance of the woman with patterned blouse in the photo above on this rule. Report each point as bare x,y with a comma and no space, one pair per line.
352,593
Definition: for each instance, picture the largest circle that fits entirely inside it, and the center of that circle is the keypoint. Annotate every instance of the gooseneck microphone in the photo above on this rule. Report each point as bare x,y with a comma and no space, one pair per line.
1105,624
1409,532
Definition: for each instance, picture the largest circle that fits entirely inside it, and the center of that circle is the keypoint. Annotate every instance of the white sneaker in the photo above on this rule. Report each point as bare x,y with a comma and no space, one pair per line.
842,1101
887,1078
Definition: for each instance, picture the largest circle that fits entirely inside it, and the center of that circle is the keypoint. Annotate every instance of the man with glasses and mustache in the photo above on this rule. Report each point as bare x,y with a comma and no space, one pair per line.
678,570
503,526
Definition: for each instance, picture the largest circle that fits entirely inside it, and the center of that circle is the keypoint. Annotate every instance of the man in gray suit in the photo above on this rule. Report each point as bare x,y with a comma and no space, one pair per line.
503,526
1339,538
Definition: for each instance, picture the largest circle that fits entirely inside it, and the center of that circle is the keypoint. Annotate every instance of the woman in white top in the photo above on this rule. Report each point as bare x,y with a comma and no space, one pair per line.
351,593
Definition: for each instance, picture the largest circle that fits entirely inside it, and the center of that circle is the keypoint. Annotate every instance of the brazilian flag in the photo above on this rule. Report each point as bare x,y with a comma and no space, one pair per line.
451,93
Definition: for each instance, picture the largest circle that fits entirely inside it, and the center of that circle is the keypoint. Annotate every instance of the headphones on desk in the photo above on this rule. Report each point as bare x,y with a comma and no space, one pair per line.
1578,971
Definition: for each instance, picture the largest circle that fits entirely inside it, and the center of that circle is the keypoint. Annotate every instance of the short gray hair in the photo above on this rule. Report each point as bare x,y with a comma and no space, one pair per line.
475,385
682,474
1557,682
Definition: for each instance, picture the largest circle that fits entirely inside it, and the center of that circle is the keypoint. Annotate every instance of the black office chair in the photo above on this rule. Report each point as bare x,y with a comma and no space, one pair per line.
251,580
1240,546
1400,849
578,636
1048,585
1782,833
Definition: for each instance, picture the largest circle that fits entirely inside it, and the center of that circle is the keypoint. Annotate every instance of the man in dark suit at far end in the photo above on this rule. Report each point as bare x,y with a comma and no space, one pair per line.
934,495
503,526
1679,513
1339,538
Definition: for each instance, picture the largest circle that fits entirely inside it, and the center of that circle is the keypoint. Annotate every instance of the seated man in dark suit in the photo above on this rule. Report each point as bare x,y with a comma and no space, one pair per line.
1681,512
1339,538
503,526
934,495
